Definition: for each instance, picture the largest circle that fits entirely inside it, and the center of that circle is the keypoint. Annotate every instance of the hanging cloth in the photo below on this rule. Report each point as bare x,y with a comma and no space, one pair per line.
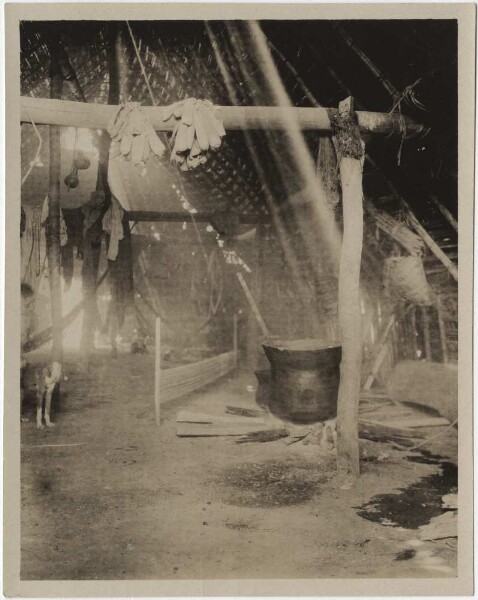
113,226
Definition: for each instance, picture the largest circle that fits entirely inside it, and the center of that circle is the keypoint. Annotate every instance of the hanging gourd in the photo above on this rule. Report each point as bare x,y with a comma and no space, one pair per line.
72,180
81,161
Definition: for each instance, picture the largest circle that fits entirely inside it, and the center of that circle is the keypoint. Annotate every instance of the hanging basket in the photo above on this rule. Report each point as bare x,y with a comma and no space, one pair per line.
405,278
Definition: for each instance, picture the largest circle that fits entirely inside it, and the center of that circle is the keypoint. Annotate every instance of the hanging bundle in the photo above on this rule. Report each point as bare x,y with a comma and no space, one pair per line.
133,136
113,226
397,230
404,277
198,129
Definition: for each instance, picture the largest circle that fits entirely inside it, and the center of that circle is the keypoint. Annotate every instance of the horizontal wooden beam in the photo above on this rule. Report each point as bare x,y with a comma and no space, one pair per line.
180,217
43,111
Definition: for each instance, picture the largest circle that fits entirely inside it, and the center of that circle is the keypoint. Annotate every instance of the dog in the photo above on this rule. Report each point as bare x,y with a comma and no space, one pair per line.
42,381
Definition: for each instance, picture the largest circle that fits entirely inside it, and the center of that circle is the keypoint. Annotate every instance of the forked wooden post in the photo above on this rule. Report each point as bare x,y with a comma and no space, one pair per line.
350,150
157,372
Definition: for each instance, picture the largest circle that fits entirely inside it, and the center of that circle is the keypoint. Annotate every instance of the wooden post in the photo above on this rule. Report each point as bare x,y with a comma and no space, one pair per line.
383,349
350,149
157,373
53,222
92,236
426,333
234,338
413,320
441,325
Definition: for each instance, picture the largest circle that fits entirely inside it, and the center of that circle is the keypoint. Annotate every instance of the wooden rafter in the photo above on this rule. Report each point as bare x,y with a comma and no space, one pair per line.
96,116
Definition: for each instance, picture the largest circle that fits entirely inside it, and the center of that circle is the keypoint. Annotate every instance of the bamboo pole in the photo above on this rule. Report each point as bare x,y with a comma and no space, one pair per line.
430,242
157,372
350,149
66,113
53,222
253,305
445,212
387,84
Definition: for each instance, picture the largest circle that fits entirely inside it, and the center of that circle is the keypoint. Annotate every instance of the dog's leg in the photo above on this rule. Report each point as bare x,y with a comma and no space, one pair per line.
48,395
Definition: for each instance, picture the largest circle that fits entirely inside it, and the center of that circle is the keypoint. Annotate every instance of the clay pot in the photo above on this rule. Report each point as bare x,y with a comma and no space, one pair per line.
305,377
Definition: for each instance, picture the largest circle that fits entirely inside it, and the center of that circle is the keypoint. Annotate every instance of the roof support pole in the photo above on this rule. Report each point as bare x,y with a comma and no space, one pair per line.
426,332
350,150
53,222
93,234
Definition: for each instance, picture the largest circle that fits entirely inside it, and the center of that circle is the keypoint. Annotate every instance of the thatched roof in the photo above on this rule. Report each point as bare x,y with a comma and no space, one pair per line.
314,58
180,61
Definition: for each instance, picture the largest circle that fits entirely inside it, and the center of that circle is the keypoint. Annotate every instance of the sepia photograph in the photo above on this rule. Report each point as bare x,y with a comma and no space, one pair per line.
234,248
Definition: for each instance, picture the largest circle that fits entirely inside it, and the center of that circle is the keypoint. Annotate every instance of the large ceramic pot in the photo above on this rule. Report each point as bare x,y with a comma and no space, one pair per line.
305,377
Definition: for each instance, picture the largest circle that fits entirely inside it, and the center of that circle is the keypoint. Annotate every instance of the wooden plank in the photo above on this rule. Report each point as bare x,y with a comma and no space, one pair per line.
245,412
412,423
197,430
186,416
380,429
43,111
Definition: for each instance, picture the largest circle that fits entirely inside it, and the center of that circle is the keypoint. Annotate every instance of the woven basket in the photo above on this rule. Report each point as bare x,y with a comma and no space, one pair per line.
405,278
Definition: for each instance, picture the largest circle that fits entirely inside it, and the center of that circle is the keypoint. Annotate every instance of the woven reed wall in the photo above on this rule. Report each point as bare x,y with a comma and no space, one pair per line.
179,381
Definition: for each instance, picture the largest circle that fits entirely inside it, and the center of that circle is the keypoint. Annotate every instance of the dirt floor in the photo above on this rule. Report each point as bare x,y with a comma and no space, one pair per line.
108,495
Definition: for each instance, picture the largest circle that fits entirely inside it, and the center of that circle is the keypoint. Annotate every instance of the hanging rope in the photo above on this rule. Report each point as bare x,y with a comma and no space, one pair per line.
37,153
